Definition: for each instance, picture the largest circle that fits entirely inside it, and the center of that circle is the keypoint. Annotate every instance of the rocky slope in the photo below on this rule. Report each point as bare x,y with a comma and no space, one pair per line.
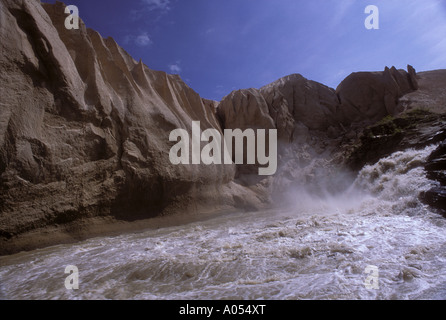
84,132
436,171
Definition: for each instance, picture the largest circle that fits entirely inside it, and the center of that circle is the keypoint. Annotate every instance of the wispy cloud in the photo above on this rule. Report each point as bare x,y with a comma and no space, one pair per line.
147,6
141,40
209,31
157,4
433,35
175,67
220,90
426,21
341,10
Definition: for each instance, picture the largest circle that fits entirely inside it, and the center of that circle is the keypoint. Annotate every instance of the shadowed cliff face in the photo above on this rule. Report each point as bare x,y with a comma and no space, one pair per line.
84,129
366,96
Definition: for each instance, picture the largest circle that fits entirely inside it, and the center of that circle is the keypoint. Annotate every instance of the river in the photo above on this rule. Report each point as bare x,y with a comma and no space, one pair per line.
320,248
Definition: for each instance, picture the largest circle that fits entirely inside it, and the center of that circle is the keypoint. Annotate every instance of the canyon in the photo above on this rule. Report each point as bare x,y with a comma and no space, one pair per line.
84,133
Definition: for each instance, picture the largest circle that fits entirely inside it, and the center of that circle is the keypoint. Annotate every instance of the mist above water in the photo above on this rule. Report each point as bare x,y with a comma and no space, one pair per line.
318,248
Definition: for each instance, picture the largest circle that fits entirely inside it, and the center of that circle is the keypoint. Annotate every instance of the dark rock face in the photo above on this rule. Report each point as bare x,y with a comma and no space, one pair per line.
436,198
370,96
431,93
436,170
415,129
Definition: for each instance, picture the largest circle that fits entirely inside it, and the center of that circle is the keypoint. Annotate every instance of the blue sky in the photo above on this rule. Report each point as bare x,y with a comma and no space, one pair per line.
217,46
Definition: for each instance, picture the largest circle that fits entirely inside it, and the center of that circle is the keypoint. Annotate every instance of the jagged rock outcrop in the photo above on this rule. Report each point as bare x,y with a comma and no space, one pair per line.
412,129
370,96
436,170
310,103
288,105
423,123
431,93
296,105
314,120
84,131
245,109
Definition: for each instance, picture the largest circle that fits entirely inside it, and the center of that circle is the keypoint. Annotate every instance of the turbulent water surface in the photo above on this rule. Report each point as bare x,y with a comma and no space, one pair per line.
320,249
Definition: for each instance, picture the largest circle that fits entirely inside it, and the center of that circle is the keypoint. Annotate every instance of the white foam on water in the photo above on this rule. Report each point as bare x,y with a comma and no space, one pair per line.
319,250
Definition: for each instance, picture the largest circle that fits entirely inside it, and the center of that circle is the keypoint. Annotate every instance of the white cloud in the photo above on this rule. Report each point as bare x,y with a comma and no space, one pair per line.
175,68
158,7
220,90
209,31
157,4
143,40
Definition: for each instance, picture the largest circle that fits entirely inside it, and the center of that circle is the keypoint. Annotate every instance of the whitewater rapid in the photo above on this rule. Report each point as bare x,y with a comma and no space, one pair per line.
318,249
